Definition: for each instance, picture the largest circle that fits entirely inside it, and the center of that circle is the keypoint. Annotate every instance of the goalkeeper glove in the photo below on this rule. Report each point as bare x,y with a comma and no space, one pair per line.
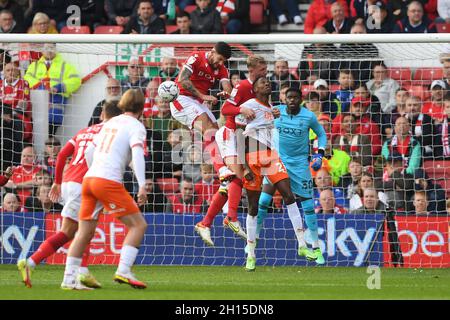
317,161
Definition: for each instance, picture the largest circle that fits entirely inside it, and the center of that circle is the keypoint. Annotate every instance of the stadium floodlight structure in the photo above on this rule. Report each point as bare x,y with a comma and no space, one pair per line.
387,238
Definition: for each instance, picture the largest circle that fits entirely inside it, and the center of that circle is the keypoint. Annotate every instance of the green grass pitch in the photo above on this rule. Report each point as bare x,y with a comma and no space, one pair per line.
267,283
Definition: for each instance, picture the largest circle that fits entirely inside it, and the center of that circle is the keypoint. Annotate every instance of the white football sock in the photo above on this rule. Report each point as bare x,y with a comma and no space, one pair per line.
127,258
316,244
83,270
31,262
297,223
72,266
251,223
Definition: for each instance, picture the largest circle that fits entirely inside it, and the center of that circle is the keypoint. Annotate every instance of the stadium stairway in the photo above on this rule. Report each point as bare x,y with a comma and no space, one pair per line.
291,27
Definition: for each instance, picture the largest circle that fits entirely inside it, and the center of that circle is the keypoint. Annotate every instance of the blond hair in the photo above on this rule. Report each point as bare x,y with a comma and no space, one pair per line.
132,101
254,60
206,167
39,16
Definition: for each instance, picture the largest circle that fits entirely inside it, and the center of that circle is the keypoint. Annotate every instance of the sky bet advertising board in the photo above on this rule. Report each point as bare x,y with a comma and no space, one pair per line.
346,240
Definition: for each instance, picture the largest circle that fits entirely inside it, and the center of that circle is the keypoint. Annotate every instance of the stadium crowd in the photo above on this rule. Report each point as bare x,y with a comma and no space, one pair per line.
220,16
381,131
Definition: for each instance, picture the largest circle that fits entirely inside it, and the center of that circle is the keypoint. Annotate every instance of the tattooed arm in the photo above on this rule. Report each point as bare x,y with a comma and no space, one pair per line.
186,83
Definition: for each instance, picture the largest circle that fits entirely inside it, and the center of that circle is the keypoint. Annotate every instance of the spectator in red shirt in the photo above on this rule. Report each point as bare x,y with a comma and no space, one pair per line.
22,180
364,125
208,185
10,203
185,201
151,93
16,92
435,107
328,203
319,13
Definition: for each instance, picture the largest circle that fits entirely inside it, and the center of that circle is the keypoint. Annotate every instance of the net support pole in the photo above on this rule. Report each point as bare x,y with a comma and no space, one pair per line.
40,102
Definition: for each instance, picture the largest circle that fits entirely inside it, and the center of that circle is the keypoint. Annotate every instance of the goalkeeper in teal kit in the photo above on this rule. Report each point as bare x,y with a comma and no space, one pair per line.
293,128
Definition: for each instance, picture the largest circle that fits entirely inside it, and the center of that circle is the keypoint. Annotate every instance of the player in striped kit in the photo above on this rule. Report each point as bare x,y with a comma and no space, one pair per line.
69,188
293,127
227,143
263,159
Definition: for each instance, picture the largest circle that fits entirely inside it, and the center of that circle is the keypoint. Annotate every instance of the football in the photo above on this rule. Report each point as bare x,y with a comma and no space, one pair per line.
168,91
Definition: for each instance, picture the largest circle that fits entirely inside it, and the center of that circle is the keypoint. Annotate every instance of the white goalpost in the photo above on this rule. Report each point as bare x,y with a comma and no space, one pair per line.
392,236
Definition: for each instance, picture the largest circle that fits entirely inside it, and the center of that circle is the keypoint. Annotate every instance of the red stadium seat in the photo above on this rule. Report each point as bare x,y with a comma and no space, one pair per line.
419,91
108,30
401,75
168,185
334,87
190,8
75,30
437,168
307,88
256,12
427,75
443,27
170,29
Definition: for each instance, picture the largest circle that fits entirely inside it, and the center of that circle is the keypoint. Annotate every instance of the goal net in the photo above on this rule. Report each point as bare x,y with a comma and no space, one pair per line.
381,197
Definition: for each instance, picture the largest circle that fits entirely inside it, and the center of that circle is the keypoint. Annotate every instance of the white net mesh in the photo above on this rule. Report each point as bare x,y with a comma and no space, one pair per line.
407,169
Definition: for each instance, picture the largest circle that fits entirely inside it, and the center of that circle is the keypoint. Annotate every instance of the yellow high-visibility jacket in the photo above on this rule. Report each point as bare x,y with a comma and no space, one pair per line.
61,75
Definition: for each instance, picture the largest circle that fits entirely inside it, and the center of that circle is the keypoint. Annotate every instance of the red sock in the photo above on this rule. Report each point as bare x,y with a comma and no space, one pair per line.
49,247
217,203
84,260
234,197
